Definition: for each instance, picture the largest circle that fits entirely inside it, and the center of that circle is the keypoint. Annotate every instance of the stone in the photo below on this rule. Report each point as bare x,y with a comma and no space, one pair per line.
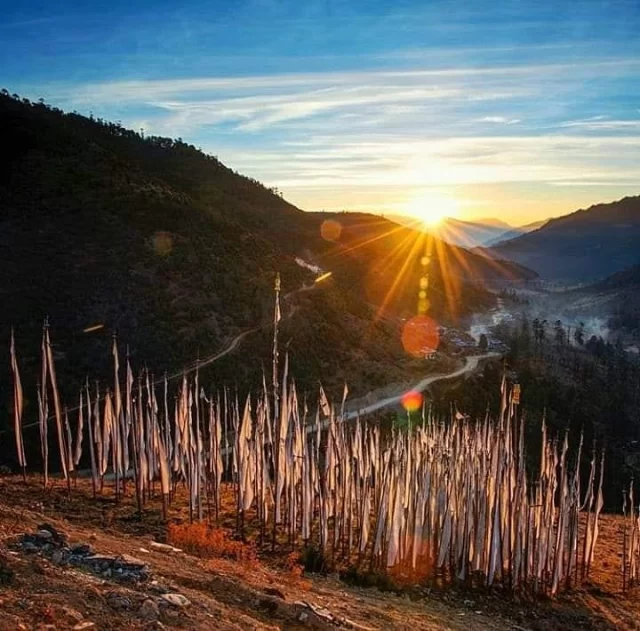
44,534
116,601
303,616
129,562
164,547
172,612
100,559
149,610
82,549
55,533
27,546
87,624
57,557
177,600
155,587
72,614
272,591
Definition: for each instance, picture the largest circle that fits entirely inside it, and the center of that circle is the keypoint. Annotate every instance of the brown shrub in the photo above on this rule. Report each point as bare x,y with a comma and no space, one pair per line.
201,540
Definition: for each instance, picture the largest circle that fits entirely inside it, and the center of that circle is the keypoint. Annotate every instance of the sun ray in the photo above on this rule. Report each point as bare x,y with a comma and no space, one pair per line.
449,283
399,276
341,249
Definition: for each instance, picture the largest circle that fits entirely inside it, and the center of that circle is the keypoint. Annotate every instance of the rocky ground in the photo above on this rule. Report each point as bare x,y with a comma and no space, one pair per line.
76,563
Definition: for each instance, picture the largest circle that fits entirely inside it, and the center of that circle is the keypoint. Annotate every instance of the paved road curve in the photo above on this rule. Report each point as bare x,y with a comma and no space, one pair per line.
471,363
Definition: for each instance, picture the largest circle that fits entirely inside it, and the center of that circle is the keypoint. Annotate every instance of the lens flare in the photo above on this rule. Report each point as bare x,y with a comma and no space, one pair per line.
420,336
93,327
323,277
412,401
330,230
162,243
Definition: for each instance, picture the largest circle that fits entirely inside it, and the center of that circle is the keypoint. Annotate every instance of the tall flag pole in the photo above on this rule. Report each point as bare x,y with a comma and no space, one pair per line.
18,405
43,409
276,319
62,443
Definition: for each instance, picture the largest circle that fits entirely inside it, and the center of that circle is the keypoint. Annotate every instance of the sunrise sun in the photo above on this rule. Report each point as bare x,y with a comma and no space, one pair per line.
431,208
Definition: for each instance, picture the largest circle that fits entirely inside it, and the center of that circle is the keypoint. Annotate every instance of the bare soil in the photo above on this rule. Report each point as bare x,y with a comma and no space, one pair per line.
37,594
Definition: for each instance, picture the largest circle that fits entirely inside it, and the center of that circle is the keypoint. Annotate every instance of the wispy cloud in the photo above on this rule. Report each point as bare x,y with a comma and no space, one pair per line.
373,135
602,123
499,120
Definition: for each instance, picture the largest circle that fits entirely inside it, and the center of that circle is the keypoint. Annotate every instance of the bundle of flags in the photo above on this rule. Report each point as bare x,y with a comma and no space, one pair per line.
631,540
453,499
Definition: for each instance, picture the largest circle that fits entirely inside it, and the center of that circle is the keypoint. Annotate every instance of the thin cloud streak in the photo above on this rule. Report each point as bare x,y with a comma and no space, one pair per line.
369,133
149,90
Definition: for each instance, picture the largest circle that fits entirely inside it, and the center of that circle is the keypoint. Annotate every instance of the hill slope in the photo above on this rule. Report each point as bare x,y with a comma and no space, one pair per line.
177,253
265,594
616,298
586,245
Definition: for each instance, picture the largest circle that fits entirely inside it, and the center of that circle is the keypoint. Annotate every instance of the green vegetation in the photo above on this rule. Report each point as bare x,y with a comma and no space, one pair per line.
575,383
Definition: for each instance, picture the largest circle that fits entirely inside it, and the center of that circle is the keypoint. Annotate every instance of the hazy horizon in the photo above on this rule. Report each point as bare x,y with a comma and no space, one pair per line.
520,112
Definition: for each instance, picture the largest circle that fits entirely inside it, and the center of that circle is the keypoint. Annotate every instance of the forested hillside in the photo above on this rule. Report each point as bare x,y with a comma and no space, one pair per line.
177,253
585,245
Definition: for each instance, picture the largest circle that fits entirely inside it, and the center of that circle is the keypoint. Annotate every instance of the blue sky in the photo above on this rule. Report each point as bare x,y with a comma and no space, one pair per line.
521,111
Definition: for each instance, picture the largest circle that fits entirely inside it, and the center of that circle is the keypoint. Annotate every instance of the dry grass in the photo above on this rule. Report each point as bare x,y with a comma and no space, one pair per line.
206,542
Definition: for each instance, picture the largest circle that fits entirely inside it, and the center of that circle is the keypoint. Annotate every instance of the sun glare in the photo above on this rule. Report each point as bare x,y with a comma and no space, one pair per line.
432,208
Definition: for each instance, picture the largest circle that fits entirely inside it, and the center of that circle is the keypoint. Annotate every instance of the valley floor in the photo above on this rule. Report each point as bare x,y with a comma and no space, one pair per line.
36,593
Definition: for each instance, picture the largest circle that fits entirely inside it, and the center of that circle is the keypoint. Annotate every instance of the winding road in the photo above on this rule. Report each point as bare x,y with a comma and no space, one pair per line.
235,342
471,363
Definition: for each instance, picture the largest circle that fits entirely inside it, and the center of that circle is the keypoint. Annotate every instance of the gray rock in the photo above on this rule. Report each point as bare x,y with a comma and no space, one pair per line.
27,546
177,600
55,533
149,610
116,601
129,563
44,534
58,557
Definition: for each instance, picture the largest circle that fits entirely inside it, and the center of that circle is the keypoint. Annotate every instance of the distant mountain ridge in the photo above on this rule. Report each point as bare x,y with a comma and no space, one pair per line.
584,246
517,232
